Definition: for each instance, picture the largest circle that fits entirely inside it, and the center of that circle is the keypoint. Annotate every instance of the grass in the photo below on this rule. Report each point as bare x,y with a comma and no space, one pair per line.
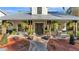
4,40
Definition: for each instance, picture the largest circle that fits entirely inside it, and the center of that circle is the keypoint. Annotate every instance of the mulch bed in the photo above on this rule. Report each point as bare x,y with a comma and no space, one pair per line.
61,45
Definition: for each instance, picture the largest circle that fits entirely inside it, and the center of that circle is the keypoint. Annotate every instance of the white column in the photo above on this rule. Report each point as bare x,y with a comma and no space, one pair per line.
44,11
50,29
34,10
65,25
76,28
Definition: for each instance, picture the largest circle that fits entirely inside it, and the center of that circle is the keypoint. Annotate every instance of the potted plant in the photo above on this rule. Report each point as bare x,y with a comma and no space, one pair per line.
46,31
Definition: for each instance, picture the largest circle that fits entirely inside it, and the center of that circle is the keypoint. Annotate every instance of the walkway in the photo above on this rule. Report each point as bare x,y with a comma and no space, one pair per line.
37,46
34,46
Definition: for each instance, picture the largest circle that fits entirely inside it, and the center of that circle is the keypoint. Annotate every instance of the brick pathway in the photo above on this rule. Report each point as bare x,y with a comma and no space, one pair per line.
37,46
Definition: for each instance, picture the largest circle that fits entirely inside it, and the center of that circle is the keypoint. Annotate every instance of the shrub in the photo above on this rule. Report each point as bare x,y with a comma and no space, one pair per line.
78,33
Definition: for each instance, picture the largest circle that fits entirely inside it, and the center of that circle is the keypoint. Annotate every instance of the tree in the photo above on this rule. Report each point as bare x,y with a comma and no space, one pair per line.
68,11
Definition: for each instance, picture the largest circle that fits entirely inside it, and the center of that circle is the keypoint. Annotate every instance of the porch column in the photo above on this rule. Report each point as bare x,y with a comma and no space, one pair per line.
50,29
75,27
30,26
65,26
49,26
15,23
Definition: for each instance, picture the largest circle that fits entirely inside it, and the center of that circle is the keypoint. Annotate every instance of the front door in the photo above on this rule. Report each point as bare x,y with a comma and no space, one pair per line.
39,28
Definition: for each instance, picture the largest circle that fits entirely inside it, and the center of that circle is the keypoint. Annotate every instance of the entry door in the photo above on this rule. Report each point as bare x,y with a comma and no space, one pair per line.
39,28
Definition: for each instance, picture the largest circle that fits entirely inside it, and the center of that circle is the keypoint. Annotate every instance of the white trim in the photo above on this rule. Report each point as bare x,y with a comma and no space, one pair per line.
34,10
44,11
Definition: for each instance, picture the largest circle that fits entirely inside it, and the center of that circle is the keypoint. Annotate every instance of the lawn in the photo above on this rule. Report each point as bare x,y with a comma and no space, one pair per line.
4,40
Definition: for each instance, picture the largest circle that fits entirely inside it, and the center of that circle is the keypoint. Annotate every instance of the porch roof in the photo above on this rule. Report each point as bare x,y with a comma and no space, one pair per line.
25,16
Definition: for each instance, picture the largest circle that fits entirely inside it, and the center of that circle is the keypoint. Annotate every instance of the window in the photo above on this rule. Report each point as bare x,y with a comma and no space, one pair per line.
39,10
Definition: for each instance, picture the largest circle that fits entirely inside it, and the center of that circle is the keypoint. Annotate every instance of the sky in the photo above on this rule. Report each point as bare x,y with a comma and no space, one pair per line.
28,9
15,9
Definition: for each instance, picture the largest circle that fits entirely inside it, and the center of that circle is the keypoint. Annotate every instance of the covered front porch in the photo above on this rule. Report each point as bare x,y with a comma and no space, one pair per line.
41,27
51,24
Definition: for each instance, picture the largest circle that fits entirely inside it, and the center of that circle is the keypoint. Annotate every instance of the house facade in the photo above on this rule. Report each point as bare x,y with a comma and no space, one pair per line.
39,21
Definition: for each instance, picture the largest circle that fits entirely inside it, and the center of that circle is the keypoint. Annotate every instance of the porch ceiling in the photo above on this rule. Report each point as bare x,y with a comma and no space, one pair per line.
24,16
